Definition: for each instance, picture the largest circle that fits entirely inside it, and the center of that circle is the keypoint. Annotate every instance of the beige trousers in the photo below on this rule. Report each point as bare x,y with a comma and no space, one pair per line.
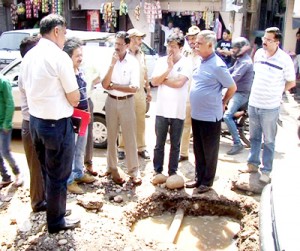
186,133
140,110
120,113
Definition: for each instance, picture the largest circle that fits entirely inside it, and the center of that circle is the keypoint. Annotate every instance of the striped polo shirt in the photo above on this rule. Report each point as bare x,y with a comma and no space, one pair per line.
270,77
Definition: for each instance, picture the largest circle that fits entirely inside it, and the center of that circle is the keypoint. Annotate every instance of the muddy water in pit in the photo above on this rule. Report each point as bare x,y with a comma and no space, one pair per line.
203,233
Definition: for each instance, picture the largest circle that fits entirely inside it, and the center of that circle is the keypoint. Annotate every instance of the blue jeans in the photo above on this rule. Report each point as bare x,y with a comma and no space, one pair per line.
54,144
78,162
5,139
238,100
262,123
162,126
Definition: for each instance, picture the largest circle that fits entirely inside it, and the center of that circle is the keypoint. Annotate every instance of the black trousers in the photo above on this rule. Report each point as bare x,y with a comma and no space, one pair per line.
206,137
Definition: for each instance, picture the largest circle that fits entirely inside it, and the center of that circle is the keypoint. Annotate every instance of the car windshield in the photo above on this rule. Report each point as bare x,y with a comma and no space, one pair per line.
11,41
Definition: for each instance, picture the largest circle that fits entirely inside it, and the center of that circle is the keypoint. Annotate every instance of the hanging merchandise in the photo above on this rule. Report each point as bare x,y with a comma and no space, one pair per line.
45,7
13,14
54,7
60,7
21,9
113,15
158,9
28,8
137,12
147,11
35,7
123,8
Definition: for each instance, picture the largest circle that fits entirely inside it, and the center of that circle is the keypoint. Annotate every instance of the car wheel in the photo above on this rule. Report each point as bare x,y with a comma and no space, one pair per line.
99,132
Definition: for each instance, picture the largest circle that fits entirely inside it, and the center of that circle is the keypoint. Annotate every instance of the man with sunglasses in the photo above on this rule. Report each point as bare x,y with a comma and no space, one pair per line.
122,80
274,74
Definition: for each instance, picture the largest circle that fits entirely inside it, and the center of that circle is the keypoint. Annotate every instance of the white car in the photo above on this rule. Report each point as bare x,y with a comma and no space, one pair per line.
93,56
10,43
11,72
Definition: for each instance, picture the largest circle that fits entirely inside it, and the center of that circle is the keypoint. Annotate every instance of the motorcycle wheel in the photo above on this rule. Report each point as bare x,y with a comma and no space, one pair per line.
243,127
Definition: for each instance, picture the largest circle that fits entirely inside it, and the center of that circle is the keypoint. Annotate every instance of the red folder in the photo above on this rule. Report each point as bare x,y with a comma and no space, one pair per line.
85,119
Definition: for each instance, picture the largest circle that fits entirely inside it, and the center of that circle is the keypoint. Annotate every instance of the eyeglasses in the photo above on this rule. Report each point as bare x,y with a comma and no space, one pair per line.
268,40
118,44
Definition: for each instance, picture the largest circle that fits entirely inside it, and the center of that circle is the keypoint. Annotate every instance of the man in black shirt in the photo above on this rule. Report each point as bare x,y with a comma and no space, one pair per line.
224,48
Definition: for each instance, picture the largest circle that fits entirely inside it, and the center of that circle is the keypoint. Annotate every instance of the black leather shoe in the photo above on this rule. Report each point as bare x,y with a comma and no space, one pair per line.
41,207
183,158
144,154
69,224
203,189
121,155
191,184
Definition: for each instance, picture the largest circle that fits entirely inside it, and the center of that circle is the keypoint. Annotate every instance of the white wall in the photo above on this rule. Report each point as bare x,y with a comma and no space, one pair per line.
289,36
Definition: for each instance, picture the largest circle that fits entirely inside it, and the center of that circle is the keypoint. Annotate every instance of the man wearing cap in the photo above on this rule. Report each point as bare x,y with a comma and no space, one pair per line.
191,54
140,97
122,82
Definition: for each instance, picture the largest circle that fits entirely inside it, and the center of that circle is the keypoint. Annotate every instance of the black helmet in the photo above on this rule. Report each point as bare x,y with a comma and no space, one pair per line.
242,44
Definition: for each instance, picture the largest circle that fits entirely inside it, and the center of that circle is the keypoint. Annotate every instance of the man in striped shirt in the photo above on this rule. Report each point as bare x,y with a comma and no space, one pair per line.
274,74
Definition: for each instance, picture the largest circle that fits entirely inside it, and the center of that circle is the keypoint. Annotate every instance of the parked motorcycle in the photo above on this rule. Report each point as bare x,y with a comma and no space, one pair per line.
241,119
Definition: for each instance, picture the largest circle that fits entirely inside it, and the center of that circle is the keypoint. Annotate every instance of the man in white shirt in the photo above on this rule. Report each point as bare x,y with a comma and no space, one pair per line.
48,79
171,74
122,80
274,74
168,30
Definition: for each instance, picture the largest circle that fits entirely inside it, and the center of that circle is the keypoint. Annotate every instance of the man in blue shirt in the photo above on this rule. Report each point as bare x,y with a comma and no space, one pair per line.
207,107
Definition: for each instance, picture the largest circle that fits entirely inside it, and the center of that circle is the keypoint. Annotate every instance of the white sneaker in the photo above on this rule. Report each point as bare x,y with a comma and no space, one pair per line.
18,181
265,178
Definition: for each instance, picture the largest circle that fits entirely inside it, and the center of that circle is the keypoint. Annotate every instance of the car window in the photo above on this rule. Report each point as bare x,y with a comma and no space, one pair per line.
11,41
13,74
147,50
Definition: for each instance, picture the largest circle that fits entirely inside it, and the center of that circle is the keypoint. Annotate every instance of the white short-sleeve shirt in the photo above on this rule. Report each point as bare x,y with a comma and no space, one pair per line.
47,75
270,77
171,102
125,72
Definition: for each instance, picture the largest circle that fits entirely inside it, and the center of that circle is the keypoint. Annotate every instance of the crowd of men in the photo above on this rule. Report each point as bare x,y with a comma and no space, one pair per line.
194,86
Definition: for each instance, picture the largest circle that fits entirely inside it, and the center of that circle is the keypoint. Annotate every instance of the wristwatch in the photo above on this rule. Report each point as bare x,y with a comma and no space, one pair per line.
111,85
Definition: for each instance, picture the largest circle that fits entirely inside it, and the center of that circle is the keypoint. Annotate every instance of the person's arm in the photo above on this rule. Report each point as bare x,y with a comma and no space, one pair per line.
228,95
177,82
73,97
147,85
289,85
239,71
107,79
123,88
8,104
159,79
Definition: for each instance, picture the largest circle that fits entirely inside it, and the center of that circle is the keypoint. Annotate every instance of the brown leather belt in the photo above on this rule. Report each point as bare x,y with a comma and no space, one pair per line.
121,98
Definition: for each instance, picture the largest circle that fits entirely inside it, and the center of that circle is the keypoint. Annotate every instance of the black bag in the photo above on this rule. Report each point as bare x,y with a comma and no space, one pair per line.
76,122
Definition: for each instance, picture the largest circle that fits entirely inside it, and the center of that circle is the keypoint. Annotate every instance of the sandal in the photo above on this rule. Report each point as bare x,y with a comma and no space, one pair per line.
105,174
118,181
91,171
136,181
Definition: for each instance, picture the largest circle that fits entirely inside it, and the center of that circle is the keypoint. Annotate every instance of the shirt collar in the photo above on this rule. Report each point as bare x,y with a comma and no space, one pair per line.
209,57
